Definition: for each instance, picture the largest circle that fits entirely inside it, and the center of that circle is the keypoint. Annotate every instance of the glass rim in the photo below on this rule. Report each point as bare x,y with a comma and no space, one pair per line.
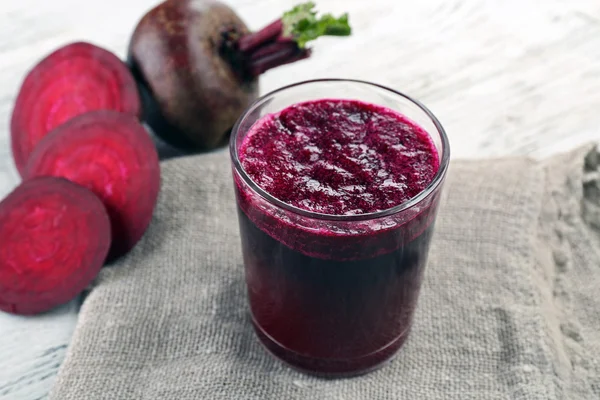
437,179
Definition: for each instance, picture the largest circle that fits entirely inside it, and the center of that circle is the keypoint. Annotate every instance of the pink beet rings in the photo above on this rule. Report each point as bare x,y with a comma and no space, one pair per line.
91,178
74,79
55,236
111,154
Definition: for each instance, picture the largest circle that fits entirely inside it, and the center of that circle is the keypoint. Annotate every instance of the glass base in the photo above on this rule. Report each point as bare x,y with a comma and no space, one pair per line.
327,367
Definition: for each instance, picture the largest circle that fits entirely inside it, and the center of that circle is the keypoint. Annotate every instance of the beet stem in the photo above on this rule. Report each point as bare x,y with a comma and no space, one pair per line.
268,33
267,49
280,56
271,49
281,42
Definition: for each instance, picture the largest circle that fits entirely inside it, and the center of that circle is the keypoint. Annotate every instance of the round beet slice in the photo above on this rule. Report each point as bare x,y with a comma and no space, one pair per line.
73,80
111,154
54,238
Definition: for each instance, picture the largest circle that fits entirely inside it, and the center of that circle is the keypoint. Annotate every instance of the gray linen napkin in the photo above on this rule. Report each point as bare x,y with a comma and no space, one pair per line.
510,306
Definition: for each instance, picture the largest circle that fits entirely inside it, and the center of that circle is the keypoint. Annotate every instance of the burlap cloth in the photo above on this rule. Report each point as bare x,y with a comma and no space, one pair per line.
510,307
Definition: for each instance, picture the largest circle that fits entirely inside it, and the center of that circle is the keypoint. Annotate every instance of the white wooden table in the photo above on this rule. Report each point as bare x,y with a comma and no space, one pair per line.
504,77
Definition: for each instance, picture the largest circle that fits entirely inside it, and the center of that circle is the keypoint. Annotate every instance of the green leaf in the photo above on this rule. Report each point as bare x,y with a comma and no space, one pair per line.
297,14
302,25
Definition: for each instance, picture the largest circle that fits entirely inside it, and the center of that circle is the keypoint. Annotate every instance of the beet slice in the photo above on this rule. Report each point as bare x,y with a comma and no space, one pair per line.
54,238
111,154
74,79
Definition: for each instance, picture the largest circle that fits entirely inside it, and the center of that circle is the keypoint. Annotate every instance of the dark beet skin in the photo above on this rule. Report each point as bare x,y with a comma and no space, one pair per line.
176,52
55,236
72,80
111,154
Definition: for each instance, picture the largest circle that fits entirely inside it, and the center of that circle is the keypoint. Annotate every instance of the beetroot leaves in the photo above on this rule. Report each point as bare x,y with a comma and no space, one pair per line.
200,65
111,154
72,80
55,236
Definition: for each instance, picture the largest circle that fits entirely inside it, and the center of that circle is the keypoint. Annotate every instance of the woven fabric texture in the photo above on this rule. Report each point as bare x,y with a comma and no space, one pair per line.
509,308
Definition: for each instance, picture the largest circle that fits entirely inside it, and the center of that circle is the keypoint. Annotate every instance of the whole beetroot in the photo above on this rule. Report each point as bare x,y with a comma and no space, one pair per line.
199,64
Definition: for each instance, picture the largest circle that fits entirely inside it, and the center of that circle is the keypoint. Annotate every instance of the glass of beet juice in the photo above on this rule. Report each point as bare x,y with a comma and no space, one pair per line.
337,185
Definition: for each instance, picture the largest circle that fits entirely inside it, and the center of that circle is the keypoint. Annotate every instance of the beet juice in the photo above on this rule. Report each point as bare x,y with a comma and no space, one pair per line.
337,201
